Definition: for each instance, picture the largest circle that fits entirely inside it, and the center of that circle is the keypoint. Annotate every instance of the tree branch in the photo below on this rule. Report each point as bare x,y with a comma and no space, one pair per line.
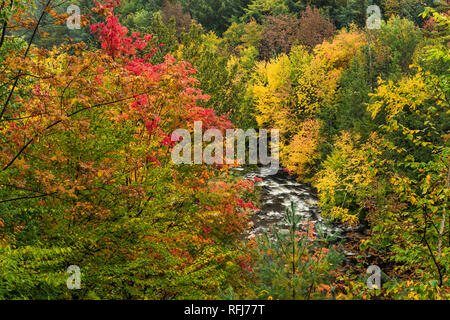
59,121
25,55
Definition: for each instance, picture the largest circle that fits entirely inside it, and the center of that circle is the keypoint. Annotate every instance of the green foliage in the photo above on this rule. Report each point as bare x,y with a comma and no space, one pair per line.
349,113
33,272
409,9
258,9
292,265
218,77
214,15
394,47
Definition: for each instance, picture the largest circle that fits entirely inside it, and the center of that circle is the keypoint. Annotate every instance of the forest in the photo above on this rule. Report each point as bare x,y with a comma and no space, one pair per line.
93,206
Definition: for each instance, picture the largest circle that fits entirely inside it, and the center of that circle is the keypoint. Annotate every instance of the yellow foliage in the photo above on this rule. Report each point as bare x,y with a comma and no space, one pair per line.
410,92
303,150
348,173
338,213
298,85
272,91
320,77
338,53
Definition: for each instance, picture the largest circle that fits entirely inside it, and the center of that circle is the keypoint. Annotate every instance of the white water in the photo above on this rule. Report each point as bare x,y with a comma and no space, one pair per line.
278,191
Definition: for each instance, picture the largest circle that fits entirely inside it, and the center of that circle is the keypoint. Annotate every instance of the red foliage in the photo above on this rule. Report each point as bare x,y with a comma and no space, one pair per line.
134,52
112,35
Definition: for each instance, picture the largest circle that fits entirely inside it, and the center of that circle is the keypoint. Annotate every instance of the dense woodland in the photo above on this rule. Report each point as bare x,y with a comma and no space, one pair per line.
86,117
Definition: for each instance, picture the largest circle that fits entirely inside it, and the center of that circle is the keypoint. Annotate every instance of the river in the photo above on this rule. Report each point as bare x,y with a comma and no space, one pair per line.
277,193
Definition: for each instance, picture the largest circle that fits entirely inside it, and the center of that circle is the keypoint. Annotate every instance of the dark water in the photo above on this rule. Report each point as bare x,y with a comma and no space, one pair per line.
278,191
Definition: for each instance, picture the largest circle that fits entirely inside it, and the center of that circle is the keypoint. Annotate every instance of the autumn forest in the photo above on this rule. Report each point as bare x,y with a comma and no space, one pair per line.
97,96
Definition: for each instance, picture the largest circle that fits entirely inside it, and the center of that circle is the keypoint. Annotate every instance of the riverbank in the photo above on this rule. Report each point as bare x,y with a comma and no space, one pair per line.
277,192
